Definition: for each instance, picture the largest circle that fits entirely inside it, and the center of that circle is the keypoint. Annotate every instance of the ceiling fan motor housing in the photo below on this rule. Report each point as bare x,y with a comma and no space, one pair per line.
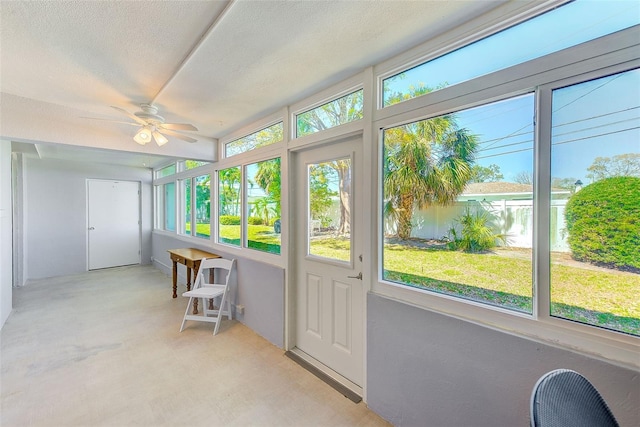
150,114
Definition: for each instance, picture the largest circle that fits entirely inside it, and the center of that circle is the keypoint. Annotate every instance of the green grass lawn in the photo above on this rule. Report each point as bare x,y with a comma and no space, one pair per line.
335,248
606,298
261,237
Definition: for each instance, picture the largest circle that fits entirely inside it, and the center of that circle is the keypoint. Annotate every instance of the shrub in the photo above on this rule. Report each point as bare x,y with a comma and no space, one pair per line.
603,221
255,220
229,220
477,232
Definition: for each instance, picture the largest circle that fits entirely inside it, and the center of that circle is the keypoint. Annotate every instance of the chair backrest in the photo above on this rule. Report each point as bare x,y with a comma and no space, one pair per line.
564,398
217,263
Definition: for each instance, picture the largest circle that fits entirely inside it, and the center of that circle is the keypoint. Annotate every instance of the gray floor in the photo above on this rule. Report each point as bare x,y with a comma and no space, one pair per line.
103,349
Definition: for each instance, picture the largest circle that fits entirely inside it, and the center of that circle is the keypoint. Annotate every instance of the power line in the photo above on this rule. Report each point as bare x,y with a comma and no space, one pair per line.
595,136
558,143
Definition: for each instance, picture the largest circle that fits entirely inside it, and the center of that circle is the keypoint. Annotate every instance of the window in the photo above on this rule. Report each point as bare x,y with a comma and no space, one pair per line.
196,206
229,206
166,171
262,187
545,229
182,199
259,226
458,204
192,164
266,136
186,205
337,112
566,26
170,206
595,202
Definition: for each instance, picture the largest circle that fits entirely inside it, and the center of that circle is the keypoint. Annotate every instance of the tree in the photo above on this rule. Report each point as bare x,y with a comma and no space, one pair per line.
268,178
262,209
489,173
564,183
337,112
320,192
524,177
426,162
230,191
620,165
266,136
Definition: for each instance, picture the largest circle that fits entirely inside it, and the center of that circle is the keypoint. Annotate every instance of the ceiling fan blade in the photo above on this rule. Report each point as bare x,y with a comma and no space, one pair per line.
132,116
178,135
111,121
178,126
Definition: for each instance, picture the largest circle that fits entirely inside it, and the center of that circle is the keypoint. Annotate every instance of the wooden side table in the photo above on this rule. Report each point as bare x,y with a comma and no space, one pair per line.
190,258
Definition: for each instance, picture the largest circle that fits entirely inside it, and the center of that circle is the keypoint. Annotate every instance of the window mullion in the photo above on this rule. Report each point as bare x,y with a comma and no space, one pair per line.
542,191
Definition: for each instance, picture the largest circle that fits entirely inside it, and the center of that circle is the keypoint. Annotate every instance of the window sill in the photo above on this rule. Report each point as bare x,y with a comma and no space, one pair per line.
263,257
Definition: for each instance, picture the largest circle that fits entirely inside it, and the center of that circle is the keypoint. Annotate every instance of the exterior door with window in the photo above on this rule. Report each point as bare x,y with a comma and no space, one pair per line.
329,289
113,223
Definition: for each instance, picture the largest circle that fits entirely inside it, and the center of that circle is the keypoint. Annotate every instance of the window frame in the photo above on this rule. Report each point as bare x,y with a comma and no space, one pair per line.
267,152
177,179
584,62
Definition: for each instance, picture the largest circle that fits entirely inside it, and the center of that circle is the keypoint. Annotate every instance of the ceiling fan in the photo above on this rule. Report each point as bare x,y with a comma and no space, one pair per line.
152,126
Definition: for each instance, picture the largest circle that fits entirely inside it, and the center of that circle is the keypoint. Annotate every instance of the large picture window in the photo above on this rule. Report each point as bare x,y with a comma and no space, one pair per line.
458,204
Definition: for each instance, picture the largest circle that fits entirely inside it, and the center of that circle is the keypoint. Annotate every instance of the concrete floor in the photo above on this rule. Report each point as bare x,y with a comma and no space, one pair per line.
103,349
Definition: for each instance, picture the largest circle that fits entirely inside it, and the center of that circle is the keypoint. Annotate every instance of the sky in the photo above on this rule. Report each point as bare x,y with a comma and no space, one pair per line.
609,107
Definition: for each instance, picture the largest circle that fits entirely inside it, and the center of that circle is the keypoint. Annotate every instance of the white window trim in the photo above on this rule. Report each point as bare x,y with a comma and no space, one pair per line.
572,65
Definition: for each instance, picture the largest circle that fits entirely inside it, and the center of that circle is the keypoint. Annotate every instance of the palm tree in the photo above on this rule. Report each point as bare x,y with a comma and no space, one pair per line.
426,162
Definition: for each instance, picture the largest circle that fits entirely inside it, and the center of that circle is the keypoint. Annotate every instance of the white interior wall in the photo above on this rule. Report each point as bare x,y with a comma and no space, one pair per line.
6,260
55,222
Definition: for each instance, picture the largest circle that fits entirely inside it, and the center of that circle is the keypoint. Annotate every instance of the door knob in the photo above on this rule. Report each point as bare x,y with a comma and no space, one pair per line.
92,228
359,276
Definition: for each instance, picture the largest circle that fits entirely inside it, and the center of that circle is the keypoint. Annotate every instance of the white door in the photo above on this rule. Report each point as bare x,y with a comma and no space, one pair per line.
329,290
113,223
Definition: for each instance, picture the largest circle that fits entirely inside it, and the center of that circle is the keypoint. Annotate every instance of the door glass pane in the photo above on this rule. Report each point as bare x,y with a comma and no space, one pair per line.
263,206
595,202
203,206
458,204
329,209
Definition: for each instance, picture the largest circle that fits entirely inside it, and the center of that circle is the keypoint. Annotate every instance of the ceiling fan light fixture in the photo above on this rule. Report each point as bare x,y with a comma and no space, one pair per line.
143,136
160,138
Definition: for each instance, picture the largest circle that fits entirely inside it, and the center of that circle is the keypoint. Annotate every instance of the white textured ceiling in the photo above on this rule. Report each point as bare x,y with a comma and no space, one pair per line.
218,65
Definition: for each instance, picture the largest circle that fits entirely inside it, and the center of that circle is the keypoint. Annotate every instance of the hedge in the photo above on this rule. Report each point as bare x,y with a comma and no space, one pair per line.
603,221
229,220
